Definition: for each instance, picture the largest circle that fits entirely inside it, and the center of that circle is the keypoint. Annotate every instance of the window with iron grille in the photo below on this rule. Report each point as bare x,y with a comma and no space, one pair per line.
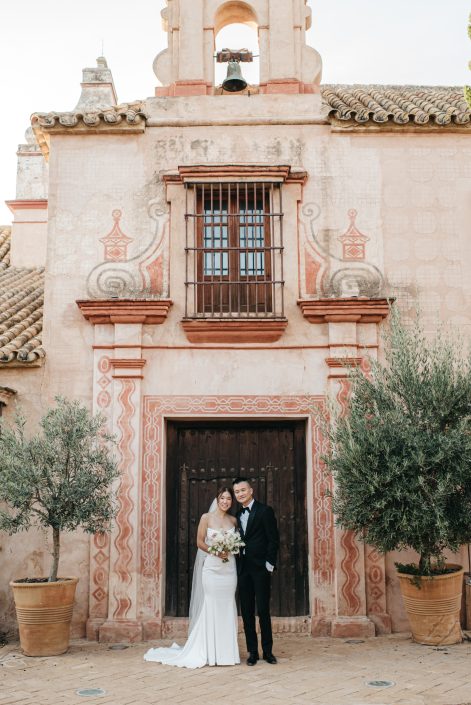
234,250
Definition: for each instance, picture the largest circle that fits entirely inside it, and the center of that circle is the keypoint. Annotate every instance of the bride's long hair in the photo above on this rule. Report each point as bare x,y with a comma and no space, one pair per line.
221,490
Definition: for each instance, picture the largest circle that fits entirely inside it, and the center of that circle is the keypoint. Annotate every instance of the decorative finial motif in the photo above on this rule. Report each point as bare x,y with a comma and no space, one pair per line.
353,241
98,91
116,242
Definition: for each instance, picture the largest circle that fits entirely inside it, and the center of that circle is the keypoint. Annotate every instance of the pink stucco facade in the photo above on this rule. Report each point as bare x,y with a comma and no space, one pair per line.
367,214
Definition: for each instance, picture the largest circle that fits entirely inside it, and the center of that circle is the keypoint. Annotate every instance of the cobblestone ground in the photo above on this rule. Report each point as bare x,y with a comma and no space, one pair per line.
310,671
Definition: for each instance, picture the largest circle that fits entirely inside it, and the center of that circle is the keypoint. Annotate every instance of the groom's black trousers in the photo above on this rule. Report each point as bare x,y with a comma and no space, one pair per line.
255,588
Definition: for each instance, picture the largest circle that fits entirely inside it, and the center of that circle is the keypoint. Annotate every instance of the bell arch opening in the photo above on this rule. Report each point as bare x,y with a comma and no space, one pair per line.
235,12
236,28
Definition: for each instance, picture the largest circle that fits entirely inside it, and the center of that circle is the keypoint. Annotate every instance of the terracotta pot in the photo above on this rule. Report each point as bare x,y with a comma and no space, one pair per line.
44,612
467,583
434,607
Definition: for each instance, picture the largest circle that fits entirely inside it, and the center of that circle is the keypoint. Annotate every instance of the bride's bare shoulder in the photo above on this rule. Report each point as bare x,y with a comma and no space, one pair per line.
233,520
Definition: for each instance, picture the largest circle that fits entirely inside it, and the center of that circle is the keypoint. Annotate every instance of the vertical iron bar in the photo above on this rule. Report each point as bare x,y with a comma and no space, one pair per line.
254,244
187,252
201,253
224,229
212,257
247,267
221,285
236,256
273,251
263,258
281,252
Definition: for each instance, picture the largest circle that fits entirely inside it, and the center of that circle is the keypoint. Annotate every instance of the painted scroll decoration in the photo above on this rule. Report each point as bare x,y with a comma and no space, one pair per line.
328,275
100,543
349,567
125,502
142,276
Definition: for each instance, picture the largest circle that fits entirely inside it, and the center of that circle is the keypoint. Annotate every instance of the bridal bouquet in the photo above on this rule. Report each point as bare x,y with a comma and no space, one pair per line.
226,542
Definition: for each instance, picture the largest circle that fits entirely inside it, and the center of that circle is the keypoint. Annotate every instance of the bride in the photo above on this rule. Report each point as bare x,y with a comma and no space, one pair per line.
212,637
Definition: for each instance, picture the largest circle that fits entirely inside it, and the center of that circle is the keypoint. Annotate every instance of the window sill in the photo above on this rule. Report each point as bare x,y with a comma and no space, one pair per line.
254,330
125,310
348,310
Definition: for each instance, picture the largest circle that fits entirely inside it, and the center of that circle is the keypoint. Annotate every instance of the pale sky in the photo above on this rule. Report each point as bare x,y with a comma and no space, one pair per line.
45,44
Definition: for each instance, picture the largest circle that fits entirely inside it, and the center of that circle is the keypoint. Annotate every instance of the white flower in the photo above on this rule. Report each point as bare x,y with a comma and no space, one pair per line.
226,542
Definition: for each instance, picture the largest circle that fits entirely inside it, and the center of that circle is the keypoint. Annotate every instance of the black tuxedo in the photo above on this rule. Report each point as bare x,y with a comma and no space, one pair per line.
261,546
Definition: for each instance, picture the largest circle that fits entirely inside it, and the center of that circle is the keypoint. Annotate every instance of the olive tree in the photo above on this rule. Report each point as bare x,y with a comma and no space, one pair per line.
60,477
401,456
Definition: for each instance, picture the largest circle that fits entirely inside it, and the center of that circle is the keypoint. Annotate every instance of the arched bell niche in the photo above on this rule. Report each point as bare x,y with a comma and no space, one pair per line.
234,12
236,27
287,63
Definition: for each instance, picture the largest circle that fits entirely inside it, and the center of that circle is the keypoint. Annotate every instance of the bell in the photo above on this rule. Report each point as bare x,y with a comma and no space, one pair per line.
234,81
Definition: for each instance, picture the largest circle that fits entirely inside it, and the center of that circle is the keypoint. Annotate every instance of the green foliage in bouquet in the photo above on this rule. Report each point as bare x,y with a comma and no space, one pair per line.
59,478
401,457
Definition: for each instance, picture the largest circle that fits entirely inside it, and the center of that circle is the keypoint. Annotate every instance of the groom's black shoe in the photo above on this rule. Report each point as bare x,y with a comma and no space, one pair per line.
269,658
252,659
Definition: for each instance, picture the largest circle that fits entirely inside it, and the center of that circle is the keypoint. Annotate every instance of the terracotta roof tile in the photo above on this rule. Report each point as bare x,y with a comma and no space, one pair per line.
397,105
5,234
21,308
130,113
130,117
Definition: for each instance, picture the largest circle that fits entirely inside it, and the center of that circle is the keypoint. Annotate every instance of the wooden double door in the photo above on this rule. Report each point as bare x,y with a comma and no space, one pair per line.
203,456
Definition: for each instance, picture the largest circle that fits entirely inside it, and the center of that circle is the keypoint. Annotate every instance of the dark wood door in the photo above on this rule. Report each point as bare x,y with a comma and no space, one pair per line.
202,457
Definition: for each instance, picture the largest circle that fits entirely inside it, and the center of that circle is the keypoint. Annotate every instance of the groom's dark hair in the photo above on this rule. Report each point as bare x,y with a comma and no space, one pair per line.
238,480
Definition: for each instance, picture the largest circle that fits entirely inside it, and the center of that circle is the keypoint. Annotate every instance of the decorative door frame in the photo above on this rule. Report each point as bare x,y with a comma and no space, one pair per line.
156,411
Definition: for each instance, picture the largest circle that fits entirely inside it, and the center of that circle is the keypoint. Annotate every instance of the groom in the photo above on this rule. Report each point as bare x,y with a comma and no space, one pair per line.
257,526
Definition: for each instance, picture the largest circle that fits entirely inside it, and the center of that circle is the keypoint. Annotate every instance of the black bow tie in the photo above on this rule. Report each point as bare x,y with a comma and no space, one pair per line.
245,509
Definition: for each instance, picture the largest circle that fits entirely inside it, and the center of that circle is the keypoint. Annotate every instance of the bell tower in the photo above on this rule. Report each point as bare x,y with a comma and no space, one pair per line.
287,63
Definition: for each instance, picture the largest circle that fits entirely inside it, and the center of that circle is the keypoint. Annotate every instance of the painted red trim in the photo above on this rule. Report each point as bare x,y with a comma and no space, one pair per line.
280,172
125,363
123,376
236,347
125,311
253,331
340,362
156,409
27,204
348,310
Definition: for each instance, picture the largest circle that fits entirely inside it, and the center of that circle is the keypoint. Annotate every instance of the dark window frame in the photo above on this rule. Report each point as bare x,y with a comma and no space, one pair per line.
234,250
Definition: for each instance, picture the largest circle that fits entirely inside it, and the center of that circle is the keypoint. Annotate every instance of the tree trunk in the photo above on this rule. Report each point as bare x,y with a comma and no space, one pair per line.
425,564
55,555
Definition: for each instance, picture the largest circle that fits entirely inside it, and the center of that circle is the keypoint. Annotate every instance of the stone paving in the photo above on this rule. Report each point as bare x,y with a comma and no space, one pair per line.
309,672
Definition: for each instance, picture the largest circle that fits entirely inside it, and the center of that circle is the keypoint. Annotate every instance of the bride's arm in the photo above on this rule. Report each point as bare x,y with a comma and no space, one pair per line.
202,529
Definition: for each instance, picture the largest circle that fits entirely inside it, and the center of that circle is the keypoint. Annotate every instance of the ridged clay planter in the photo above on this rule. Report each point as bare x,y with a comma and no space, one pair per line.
44,613
434,607
467,584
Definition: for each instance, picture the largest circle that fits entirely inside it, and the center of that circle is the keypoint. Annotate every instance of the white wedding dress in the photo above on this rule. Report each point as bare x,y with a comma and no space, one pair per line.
213,637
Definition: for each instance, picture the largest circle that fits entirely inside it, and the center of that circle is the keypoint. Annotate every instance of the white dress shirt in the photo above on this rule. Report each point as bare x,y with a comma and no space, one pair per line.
244,520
